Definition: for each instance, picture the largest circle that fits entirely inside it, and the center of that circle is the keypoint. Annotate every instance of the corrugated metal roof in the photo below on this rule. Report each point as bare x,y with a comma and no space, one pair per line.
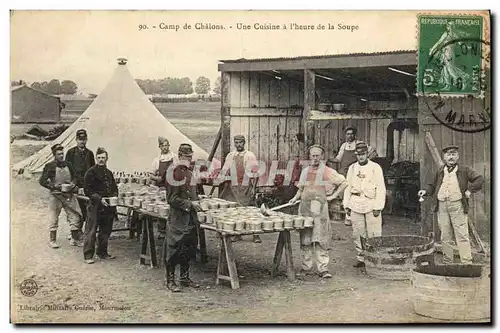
320,56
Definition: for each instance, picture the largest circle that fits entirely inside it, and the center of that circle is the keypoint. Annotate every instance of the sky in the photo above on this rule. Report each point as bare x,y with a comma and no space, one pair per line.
83,45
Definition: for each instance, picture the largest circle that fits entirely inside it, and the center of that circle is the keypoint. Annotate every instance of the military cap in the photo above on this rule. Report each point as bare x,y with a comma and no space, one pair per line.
361,148
448,148
81,133
239,137
318,147
162,140
186,149
56,147
100,151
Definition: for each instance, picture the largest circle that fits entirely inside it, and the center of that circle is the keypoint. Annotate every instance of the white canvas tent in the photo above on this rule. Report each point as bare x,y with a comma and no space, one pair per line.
123,121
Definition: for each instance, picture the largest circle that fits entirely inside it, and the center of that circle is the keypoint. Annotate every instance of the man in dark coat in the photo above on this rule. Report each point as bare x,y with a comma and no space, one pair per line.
55,174
99,184
82,159
452,188
182,238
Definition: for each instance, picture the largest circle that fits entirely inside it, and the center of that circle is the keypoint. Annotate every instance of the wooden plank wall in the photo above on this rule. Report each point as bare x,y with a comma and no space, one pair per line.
475,151
268,136
331,135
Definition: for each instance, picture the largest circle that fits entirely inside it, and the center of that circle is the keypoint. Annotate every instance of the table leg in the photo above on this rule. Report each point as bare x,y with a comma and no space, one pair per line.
152,243
203,245
226,265
231,263
144,244
290,271
221,262
135,225
277,254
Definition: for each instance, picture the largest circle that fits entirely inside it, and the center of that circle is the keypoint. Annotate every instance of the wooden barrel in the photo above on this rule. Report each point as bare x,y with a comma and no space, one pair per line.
452,292
394,257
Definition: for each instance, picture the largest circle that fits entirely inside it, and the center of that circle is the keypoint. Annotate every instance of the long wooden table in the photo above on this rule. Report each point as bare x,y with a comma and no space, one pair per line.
226,264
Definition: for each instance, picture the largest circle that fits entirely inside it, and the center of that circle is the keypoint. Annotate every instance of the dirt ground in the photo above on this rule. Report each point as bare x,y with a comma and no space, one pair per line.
139,295
122,291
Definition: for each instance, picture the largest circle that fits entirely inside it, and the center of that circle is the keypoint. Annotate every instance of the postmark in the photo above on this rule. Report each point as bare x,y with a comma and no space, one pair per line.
451,55
29,288
470,113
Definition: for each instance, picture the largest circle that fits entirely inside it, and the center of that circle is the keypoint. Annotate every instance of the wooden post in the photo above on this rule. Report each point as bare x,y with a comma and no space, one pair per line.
436,156
309,104
225,116
225,120
216,145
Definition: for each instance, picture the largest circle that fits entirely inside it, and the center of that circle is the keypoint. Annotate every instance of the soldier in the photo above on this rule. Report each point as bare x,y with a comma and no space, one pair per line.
240,188
312,191
159,169
452,186
364,198
82,159
347,156
55,174
182,238
99,184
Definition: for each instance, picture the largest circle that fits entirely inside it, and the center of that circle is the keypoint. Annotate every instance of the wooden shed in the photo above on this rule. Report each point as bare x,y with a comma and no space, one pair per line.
30,105
279,105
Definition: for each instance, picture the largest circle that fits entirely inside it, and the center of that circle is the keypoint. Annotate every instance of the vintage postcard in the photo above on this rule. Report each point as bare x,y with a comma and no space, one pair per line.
250,166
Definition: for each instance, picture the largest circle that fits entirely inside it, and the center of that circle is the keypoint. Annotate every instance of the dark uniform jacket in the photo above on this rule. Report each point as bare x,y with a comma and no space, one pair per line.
49,173
98,183
181,228
468,179
81,161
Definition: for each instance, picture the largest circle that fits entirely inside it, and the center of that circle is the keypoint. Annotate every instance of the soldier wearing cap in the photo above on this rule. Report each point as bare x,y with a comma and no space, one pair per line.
312,191
347,156
158,172
99,184
181,239
364,199
347,151
452,187
241,186
55,174
82,159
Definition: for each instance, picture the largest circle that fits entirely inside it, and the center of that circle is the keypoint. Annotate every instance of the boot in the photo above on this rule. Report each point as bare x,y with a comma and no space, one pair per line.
171,279
53,236
185,280
256,239
75,238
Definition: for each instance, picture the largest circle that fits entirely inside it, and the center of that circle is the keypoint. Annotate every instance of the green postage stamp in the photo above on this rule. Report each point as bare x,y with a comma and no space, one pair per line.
452,55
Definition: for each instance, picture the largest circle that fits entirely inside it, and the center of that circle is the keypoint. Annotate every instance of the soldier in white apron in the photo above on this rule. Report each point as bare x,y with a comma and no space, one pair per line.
313,184
347,155
364,199
55,174
158,174
241,187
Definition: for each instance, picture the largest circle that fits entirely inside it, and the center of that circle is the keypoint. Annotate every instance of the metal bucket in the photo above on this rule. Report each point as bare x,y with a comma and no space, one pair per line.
452,292
393,257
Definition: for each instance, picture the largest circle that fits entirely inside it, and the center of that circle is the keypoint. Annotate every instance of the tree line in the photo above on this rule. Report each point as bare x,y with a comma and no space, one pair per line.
169,85
53,87
174,85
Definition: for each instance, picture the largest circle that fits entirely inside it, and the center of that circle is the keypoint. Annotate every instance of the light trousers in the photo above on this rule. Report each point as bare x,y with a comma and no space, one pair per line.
366,226
55,207
321,255
454,225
